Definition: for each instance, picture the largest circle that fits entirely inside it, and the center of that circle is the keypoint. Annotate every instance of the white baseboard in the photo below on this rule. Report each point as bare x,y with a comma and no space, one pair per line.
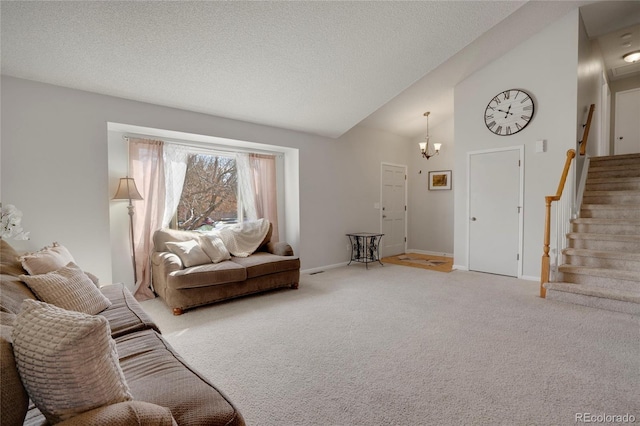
530,278
430,253
323,268
460,267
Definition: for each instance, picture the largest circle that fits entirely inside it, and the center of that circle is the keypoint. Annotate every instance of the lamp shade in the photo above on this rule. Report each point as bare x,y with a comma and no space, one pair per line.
127,190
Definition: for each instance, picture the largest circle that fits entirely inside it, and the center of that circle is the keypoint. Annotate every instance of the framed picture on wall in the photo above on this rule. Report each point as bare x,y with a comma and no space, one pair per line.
440,179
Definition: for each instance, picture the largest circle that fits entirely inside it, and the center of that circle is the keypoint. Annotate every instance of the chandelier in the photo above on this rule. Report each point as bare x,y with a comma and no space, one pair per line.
424,146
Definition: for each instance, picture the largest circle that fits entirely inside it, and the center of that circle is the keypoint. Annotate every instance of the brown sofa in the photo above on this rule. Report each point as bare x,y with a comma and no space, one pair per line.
271,266
165,389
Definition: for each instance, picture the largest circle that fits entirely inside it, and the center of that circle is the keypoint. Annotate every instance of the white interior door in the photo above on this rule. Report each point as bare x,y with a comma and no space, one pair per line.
495,211
627,133
393,209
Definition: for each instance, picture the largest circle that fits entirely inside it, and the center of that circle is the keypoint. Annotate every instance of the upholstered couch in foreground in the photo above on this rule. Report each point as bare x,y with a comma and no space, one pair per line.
157,386
184,279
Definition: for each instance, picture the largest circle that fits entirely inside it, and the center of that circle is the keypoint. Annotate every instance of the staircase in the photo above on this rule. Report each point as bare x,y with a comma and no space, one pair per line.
602,261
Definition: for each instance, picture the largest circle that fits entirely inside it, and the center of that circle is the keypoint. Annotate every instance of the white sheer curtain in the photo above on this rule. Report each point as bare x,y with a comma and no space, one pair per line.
175,169
246,189
258,188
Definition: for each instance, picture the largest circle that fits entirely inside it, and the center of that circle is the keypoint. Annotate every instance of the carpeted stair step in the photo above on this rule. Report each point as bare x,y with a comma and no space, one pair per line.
597,297
613,184
597,171
611,211
606,226
601,277
615,160
602,259
611,197
604,242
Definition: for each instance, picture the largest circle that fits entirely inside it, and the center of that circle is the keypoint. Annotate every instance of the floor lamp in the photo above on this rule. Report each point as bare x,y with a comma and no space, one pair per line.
127,190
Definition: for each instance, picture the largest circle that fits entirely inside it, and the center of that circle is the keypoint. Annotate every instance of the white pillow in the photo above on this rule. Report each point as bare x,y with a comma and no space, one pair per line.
68,288
67,360
50,258
189,252
214,248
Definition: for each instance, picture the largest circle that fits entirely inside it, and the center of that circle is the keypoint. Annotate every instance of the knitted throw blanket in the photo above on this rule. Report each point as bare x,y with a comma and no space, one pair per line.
242,239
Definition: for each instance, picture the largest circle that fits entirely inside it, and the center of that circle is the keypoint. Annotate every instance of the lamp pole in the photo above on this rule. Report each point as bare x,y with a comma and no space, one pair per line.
133,246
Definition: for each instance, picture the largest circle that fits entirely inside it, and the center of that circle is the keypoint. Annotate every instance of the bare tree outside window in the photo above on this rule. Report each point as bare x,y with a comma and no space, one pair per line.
209,194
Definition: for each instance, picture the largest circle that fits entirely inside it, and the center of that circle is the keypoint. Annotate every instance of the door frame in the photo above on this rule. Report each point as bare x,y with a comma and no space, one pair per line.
406,198
519,148
604,146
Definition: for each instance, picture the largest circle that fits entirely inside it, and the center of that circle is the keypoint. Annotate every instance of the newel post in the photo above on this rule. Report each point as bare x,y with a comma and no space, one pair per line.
545,270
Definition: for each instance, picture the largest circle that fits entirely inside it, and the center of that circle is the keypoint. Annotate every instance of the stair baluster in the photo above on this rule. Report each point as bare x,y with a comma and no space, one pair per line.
544,275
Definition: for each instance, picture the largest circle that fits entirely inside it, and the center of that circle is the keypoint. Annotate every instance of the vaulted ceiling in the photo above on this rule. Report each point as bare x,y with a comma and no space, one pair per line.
316,67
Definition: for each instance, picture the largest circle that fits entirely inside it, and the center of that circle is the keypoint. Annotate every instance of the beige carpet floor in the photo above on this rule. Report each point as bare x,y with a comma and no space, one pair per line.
405,346
424,261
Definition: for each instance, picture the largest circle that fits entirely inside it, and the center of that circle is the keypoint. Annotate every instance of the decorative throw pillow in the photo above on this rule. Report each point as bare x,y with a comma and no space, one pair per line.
9,260
67,360
189,252
68,288
47,259
213,246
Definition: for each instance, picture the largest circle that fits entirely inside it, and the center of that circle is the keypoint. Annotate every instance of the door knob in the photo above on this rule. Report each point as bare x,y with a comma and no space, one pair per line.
473,219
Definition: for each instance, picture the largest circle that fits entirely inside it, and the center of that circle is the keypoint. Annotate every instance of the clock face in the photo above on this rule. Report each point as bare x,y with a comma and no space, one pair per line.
509,112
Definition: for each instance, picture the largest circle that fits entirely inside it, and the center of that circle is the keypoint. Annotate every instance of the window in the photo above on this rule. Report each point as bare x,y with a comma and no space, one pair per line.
210,192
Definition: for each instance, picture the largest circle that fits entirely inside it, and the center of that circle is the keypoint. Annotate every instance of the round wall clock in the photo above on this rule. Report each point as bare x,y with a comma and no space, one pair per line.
509,112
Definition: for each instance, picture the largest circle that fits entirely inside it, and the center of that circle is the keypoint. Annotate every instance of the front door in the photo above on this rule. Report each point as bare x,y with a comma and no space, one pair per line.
495,211
393,210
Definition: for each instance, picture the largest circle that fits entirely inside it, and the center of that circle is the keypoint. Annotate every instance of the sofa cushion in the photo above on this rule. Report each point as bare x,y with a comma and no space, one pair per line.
214,248
12,292
68,288
157,374
263,263
125,314
207,275
58,353
189,252
14,399
129,413
10,260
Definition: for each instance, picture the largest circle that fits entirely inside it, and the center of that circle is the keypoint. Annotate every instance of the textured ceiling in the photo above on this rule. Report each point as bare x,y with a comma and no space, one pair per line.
318,67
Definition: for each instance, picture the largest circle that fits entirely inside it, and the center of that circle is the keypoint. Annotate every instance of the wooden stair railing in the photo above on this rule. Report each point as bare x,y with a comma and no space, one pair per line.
544,274
545,270
585,136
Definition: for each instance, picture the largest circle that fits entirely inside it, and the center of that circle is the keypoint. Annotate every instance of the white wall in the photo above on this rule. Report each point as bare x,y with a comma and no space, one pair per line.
590,71
55,169
546,66
431,212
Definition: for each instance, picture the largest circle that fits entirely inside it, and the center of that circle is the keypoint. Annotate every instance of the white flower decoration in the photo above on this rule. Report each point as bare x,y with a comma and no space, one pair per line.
11,218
